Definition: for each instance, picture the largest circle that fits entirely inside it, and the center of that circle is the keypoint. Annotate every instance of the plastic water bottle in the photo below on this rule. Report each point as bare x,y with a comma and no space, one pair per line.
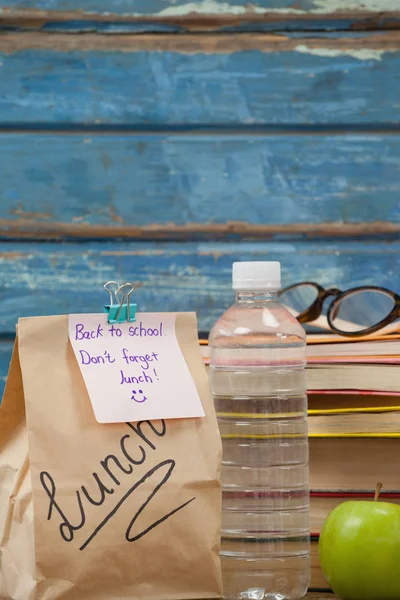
257,370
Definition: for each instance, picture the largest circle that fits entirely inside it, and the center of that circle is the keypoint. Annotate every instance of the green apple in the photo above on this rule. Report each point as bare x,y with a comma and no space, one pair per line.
359,550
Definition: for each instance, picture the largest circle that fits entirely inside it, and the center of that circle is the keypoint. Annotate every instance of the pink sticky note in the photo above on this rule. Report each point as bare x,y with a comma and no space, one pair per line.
134,371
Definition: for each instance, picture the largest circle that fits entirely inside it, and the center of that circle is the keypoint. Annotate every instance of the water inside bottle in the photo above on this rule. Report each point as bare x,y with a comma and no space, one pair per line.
259,389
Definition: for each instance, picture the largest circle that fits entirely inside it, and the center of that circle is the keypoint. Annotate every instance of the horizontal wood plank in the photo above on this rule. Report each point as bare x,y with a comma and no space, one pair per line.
184,8
28,20
152,7
212,19
57,278
60,278
172,186
199,79
40,279
195,24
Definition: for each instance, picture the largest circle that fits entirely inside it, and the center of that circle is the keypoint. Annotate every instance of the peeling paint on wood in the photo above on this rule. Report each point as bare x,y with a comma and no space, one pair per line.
143,85
107,23
216,187
180,276
31,228
214,7
198,15
199,184
318,7
192,44
328,6
362,54
207,7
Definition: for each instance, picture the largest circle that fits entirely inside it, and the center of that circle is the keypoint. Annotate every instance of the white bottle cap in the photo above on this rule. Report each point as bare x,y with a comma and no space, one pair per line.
257,275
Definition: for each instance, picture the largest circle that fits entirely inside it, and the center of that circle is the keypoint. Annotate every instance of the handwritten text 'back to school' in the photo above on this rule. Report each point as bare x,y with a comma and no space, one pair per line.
147,372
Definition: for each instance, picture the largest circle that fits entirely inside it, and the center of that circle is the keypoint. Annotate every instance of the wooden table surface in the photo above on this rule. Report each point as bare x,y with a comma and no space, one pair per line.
320,596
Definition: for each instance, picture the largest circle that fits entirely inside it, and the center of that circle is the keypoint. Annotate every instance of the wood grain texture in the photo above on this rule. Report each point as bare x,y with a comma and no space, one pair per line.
111,24
181,8
217,80
196,17
160,186
57,278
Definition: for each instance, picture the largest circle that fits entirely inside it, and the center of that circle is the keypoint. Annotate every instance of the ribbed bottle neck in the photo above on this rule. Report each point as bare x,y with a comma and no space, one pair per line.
256,296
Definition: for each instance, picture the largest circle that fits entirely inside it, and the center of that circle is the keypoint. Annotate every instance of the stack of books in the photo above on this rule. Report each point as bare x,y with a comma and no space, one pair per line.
354,425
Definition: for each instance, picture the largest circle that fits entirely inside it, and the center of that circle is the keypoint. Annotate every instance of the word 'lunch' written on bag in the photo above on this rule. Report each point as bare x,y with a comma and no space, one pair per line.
104,511
112,469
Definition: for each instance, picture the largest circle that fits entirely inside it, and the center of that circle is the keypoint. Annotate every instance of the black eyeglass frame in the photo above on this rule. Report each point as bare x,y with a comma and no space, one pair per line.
315,309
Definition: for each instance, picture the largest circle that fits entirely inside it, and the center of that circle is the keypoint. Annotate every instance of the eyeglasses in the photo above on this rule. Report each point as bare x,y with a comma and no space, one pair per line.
356,312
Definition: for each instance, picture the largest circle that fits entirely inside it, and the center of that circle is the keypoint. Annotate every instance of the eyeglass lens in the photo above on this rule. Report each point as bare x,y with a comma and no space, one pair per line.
361,310
299,298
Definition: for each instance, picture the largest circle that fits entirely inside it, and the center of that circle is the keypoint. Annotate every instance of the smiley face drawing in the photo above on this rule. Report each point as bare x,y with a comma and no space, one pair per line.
134,392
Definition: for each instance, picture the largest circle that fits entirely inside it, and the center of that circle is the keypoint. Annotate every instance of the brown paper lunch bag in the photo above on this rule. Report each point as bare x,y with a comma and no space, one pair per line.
103,512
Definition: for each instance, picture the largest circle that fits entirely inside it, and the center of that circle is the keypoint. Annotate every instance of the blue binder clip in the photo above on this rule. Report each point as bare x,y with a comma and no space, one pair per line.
120,308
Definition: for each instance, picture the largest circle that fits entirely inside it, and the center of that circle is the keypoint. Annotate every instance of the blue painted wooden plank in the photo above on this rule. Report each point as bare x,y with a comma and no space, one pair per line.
118,26
115,25
6,347
39,278
160,185
184,7
213,80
